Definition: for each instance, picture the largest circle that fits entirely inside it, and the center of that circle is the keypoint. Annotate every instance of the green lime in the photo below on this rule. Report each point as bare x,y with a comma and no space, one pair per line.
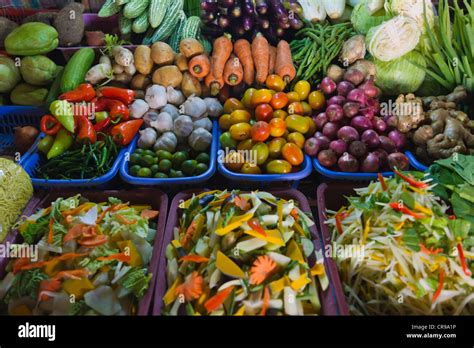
203,158
135,158
155,168
149,152
144,173
188,167
155,160
176,173
178,159
139,151
160,176
163,154
201,168
165,165
147,161
134,169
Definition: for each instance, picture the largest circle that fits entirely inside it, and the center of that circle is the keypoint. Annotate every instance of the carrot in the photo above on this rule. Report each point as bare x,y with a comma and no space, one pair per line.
199,66
266,301
72,274
284,63
243,51
51,285
194,258
149,214
261,57
213,83
79,230
221,52
261,269
233,71
119,257
123,220
188,236
93,241
272,60
218,299
191,289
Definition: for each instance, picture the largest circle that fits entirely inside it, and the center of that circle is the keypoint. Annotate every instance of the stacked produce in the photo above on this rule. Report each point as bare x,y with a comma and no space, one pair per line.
350,135
92,260
415,256
239,253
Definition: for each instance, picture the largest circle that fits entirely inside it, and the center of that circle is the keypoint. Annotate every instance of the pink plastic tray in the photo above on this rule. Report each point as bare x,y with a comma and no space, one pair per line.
332,300
154,197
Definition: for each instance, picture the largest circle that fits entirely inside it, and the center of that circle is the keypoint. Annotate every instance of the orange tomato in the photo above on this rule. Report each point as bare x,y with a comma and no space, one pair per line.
292,153
307,111
238,116
277,127
280,114
275,82
260,96
224,122
246,99
260,131
296,138
240,131
264,112
295,108
233,104
279,100
293,97
316,100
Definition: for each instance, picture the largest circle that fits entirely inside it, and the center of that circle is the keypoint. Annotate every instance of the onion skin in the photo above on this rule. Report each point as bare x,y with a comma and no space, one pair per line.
357,149
398,160
379,124
357,95
348,134
344,87
330,130
370,164
348,163
354,76
398,138
328,86
334,113
339,146
320,120
351,109
370,138
327,158
337,100
387,144
324,141
361,123
312,146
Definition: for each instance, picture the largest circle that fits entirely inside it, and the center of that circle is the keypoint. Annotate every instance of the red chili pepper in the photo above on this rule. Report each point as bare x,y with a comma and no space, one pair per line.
440,286
86,130
100,104
431,251
50,125
402,209
339,217
411,181
123,133
452,217
382,181
84,92
100,126
126,96
118,110
254,224
466,270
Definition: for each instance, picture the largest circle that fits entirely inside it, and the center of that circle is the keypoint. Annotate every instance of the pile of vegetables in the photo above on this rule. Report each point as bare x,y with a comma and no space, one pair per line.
275,19
415,259
270,126
239,253
350,135
94,253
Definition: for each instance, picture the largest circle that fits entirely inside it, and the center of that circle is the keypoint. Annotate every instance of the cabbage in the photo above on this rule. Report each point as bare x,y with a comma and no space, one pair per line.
393,38
402,75
362,20
413,9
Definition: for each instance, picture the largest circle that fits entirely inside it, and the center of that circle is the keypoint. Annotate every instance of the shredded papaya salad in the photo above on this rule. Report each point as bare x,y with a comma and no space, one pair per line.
242,254
87,259
414,260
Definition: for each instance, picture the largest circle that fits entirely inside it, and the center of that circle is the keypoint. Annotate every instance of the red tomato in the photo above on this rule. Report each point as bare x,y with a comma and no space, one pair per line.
260,131
264,112
279,100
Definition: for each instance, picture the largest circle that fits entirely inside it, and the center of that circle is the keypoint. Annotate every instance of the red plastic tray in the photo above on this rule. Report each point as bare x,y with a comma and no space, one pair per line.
154,197
332,300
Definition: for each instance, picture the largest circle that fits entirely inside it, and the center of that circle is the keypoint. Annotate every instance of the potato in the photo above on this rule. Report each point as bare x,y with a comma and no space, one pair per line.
168,76
181,62
162,53
191,47
190,85
143,61
140,81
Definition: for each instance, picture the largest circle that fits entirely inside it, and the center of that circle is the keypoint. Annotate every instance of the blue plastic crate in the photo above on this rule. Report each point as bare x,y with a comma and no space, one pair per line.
14,116
174,181
295,177
415,163
350,176
32,162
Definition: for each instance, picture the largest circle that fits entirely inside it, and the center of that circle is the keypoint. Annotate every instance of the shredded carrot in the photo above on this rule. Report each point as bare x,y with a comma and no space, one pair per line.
254,224
28,266
79,230
52,285
188,236
149,214
122,257
19,263
242,203
294,214
430,251
74,211
261,269
266,301
191,289
466,270
382,181
339,217
93,241
194,258
72,274
218,299
440,286
124,220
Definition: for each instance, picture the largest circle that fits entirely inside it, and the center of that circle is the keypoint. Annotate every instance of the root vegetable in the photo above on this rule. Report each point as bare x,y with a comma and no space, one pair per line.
398,138
261,57
348,163
117,68
123,78
335,73
354,76
156,96
284,66
370,164
131,70
143,60
122,56
213,83
361,123
328,86
139,108
398,161
353,49
205,123
191,47
387,144
199,66
140,82
191,85
366,67
334,113
163,123
100,71
272,60
200,139
172,110
243,51
162,53
370,138
221,52
183,126
150,116
344,87
181,62
24,138
348,134
233,71
339,146
358,149
351,109
327,158
330,130
168,76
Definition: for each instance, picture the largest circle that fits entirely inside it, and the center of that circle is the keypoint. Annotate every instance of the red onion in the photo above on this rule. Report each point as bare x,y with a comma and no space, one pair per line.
334,112
328,86
312,146
398,138
370,138
330,130
379,125
351,109
327,158
348,134
320,120
387,144
358,149
344,87
369,88
357,95
398,160
348,163
337,99
361,123
370,164
323,140
339,146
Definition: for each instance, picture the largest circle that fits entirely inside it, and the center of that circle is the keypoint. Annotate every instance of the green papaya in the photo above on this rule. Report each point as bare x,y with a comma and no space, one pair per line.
9,74
25,94
31,39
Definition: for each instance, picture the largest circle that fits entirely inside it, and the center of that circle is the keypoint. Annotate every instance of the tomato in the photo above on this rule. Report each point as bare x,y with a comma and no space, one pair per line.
295,108
316,100
226,141
234,161
277,127
224,122
246,99
264,112
245,144
312,126
295,123
260,96
293,97
238,116
307,111
280,114
275,83
240,131
232,104
292,153
261,152
302,88
278,167
279,100
260,131
296,138
249,168
275,146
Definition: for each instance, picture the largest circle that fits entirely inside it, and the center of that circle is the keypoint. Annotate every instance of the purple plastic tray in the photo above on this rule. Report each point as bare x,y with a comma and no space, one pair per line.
332,300
154,197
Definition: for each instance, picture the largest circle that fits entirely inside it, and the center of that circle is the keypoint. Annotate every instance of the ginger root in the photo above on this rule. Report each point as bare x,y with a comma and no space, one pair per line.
409,112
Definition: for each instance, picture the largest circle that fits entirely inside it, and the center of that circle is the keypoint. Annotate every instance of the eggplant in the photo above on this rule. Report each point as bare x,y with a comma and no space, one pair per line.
296,23
224,22
249,7
261,7
280,32
225,3
293,5
278,11
247,23
209,5
271,35
284,25
263,22
212,30
236,11
207,17
238,28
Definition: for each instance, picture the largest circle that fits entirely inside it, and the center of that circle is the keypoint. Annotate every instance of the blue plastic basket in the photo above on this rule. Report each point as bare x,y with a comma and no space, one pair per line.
305,171
32,162
14,116
350,176
415,163
173,181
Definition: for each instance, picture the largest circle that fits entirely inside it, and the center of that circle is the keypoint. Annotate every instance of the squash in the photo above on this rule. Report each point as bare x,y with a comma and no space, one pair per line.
183,126
200,139
167,142
163,123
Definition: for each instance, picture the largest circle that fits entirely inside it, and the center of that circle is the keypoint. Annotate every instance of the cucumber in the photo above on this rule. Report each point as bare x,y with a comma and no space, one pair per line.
122,2
175,39
191,28
174,14
76,69
55,87
140,24
135,8
157,11
109,9
206,44
125,24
